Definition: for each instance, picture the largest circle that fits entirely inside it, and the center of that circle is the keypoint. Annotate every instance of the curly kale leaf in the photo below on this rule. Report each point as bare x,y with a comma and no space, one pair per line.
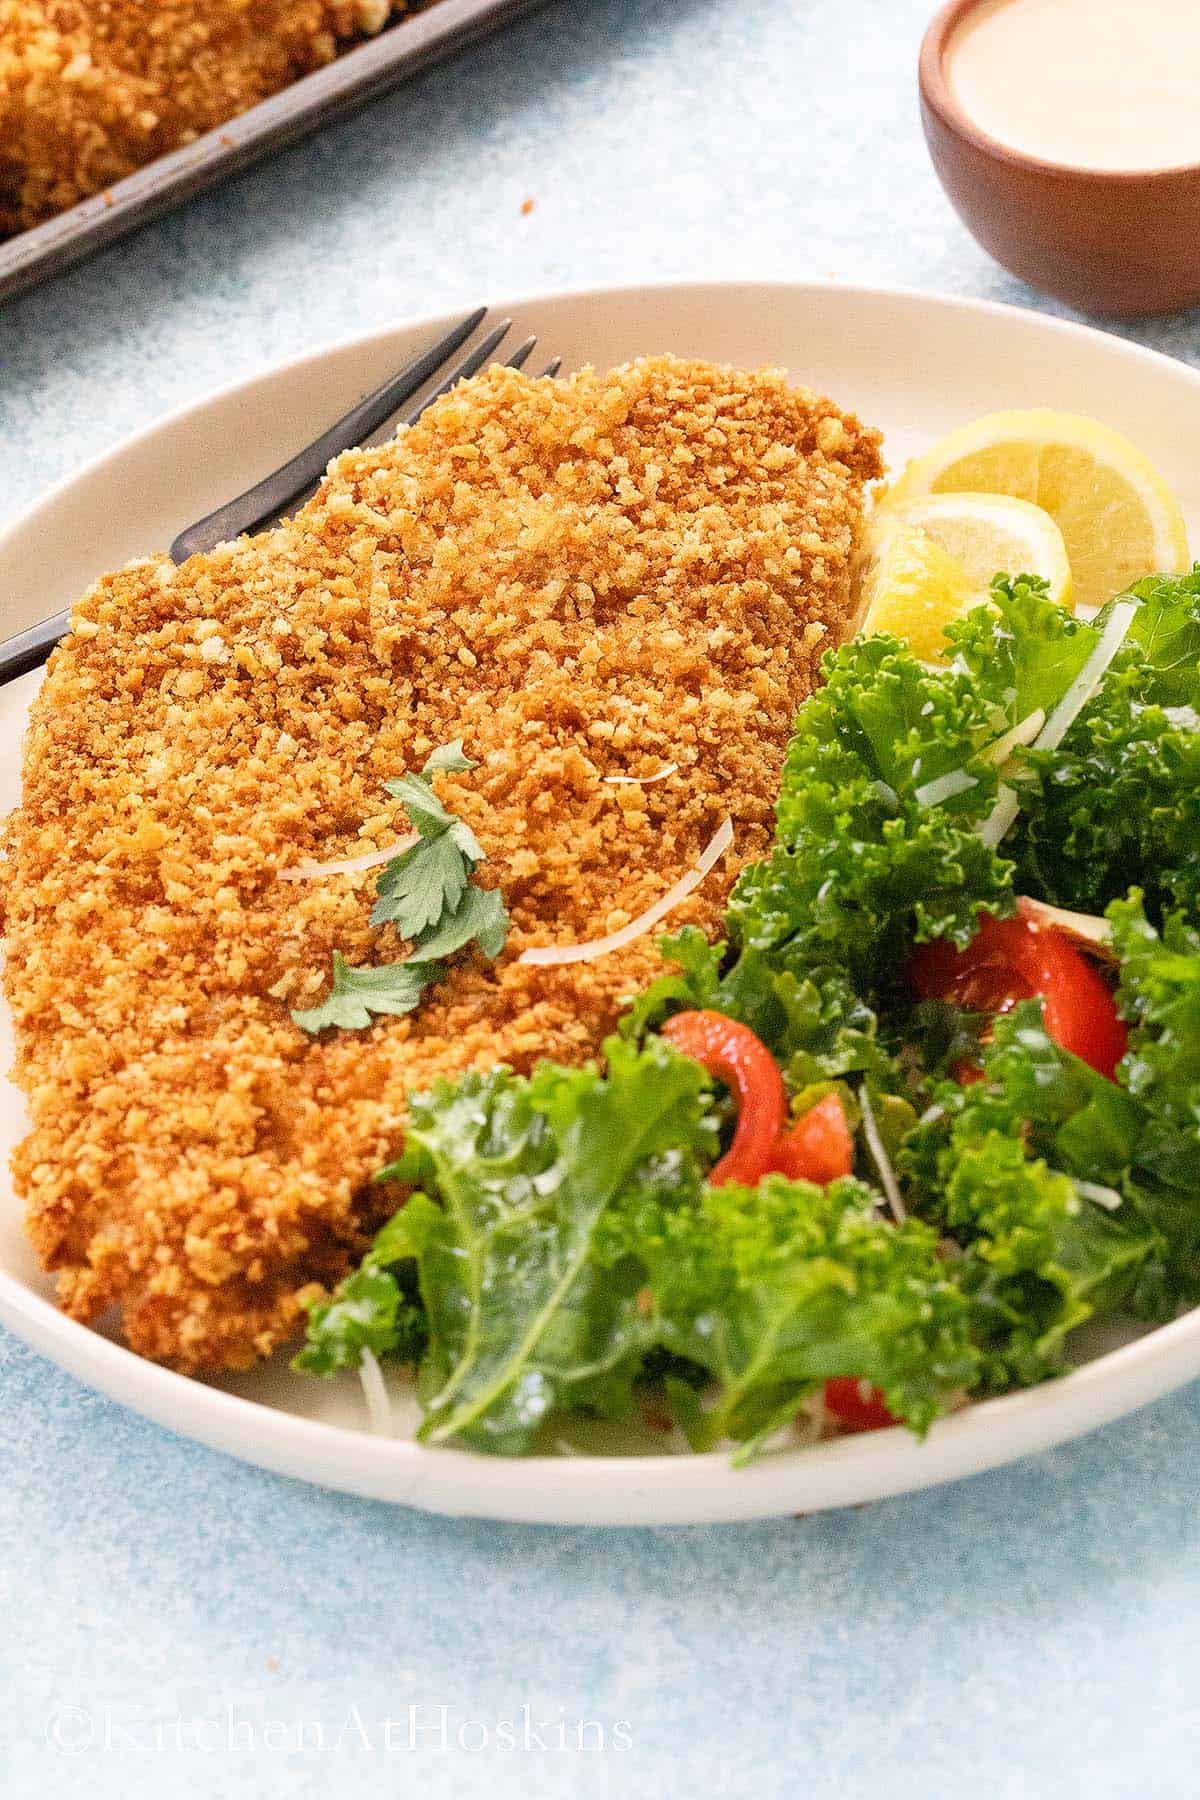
1163,644
1159,992
523,1323
1117,803
1039,1258
814,1023
375,1308
1023,649
872,852
1021,1169
774,1289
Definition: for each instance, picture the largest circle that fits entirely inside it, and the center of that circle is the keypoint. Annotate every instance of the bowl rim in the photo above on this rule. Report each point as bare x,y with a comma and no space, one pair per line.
938,95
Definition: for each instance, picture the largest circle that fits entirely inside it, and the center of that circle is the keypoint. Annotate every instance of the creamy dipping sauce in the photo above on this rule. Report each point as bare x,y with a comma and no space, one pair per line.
1100,84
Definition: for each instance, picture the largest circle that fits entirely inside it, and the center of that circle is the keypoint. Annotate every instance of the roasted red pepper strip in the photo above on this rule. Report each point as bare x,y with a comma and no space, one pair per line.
742,1061
857,1405
1010,960
818,1147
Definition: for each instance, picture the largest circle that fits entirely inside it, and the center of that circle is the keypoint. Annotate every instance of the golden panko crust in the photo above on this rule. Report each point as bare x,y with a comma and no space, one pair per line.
581,579
91,90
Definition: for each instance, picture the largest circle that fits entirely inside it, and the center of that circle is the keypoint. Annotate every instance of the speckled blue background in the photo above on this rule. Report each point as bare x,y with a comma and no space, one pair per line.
1034,1632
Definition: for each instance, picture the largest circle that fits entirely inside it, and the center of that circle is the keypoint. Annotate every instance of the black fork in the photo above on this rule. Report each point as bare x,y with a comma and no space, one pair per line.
295,480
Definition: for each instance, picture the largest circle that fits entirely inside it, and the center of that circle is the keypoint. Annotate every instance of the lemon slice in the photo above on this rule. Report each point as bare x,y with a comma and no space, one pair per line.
1118,517
990,533
913,588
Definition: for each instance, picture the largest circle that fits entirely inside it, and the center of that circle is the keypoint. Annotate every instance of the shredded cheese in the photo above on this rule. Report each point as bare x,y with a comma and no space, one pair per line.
1106,1197
1088,929
379,1406
349,865
944,787
1089,677
1024,733
641,780
999,821
887,1176
553,955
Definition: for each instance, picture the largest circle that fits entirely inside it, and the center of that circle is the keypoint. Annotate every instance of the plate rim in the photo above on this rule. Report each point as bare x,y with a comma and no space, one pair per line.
431,322
628,1489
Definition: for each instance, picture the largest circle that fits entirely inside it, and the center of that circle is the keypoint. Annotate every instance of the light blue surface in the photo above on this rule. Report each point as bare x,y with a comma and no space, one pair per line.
1034,1632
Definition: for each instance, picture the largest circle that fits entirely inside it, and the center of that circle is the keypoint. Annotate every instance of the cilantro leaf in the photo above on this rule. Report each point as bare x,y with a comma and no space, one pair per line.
428,880
358,993
450,757
480,915
425,893
420,885
429,817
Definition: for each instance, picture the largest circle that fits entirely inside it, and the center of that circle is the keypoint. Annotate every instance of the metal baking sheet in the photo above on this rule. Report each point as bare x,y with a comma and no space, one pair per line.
404,48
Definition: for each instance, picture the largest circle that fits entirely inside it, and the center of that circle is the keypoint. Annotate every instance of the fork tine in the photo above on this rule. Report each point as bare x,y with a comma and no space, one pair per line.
552,367
521,356
269,499
470,364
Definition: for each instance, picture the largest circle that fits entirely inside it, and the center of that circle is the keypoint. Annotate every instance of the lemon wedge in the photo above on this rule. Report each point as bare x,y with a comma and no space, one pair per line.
1117,515
933,558
990,533
913,588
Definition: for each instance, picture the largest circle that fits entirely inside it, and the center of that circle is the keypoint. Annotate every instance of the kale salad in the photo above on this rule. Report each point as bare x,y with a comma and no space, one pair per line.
932,1104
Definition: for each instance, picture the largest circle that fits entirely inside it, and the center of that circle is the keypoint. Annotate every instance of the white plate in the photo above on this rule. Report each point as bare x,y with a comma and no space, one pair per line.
911,363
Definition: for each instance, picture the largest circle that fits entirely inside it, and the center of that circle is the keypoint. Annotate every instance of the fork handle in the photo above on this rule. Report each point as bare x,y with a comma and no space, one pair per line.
27,650
270,498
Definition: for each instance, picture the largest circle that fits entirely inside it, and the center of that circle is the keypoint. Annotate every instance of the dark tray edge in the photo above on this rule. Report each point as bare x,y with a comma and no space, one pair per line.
359,75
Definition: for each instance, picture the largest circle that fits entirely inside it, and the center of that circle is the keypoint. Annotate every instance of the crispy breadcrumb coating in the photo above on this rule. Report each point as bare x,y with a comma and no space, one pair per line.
580,578
91,90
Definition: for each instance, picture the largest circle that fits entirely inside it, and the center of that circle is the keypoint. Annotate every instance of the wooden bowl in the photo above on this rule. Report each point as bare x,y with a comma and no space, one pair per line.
1122,243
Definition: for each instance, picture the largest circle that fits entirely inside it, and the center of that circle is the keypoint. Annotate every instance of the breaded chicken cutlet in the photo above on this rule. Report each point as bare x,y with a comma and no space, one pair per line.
584,578
91,90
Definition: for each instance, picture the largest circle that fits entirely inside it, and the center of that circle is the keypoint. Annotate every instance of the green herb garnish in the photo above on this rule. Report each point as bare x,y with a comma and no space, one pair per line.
426,892
426,882
358,994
